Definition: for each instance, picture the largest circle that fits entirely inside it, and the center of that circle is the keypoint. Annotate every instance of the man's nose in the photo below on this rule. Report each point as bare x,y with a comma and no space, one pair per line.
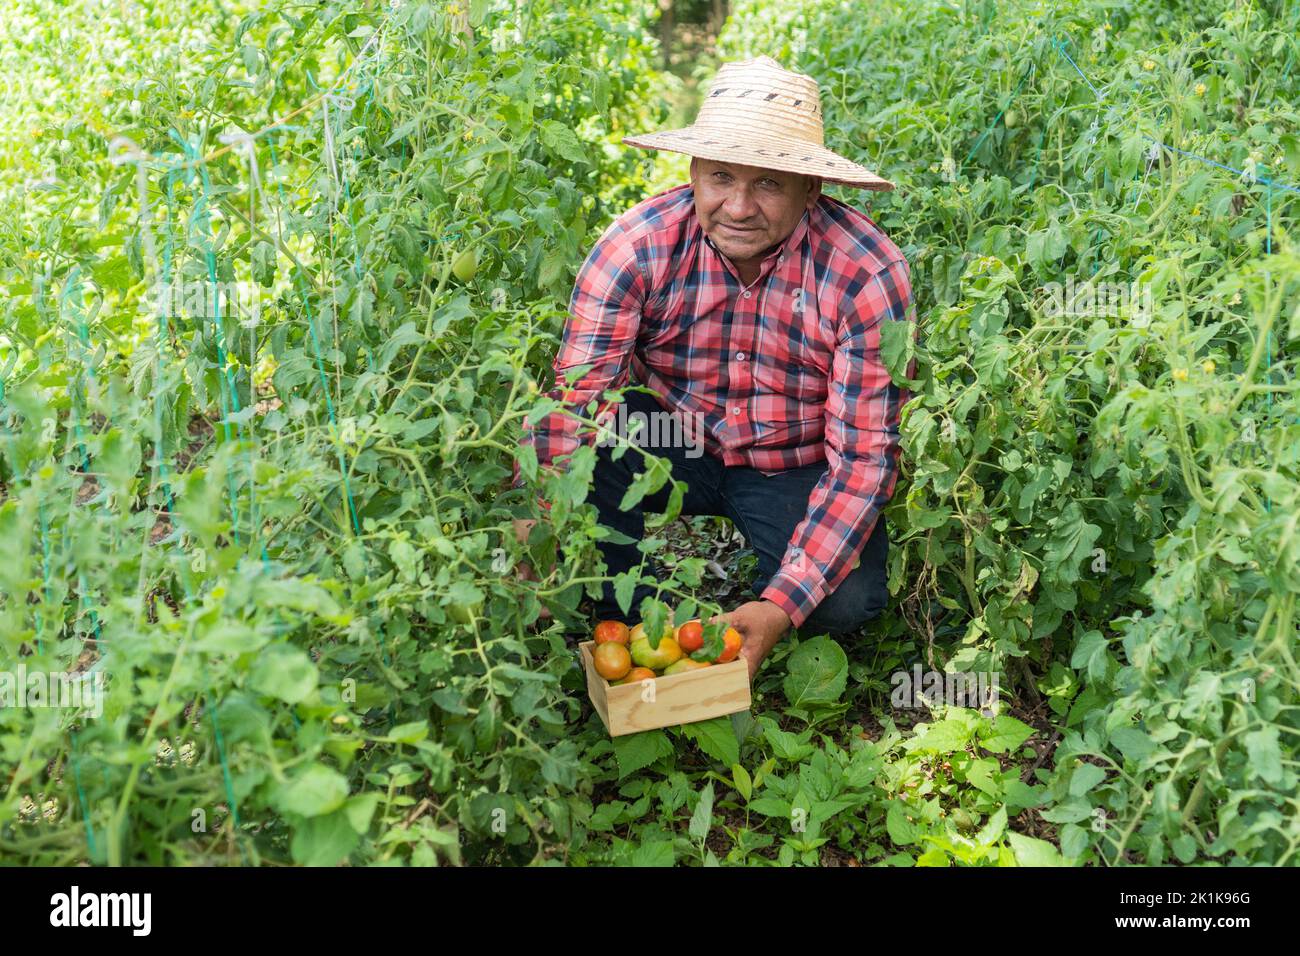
740,205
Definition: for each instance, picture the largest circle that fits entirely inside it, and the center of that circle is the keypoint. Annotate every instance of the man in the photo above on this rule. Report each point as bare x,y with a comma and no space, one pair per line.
751,303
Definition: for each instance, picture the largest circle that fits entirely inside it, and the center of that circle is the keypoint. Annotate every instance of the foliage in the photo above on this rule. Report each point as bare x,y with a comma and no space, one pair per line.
1103,504
276,519
256,434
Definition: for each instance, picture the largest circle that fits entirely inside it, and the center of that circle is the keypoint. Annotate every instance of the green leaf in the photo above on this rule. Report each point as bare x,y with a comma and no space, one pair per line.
1265,754
897,347
231,637
1184,847
636,751
297,594
993,828
1134,744
1090,653
771,807
656,853
716,737
625,588
1030,851
702,818
562,141
818,671
901,830
741,780
1085,777
263,263
983,774
1070,542
1004,735
942,736
478,11
1074,840
785,745
315,791
360,810
410,733
285,672
324,840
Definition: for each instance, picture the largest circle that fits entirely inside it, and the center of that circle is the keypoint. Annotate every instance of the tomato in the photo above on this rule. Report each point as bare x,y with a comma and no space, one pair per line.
666,653
612,661
638,633
1010,119
465,265
636,675
690,636
731,643
610,632
685,664
962,819
465,613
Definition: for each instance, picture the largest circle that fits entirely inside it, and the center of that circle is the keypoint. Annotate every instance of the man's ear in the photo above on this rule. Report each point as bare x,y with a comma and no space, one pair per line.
814,190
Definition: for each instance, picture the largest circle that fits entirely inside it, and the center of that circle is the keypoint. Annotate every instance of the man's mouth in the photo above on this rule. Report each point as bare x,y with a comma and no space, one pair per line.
738,229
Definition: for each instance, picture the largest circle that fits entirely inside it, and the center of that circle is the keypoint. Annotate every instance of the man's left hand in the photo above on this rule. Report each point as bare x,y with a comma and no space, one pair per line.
761,624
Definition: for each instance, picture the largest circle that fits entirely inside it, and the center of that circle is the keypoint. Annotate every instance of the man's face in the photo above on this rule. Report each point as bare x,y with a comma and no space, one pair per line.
746,210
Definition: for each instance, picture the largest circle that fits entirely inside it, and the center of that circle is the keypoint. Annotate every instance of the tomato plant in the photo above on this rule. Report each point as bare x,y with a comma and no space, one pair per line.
281,289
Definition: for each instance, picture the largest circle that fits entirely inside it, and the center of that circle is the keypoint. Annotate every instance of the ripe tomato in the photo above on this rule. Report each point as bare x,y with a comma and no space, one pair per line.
612,661
731,642
606,632
690,636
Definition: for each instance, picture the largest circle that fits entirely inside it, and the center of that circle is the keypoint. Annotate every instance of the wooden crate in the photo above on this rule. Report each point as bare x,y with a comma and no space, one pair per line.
678,698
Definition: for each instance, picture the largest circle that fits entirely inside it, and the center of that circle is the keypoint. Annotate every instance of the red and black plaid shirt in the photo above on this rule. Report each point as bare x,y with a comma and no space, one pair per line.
785,371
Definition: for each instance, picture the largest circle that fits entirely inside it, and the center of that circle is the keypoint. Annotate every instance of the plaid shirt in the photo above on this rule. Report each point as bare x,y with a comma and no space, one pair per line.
784,372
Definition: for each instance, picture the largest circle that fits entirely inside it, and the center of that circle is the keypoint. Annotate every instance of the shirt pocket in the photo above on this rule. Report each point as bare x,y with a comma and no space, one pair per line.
673,312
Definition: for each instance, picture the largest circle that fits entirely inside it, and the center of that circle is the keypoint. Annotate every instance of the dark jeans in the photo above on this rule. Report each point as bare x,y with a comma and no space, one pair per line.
765,508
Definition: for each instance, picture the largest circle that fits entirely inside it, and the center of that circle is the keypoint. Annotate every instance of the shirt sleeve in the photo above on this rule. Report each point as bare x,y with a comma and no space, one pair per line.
604,319
862,441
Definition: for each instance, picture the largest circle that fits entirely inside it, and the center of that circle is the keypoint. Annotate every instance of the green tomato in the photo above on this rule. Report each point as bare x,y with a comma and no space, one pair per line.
962,819
465,613
465,265
1011,119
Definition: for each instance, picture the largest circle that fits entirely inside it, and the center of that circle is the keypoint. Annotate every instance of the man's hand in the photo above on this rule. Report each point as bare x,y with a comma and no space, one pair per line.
525,572
761,623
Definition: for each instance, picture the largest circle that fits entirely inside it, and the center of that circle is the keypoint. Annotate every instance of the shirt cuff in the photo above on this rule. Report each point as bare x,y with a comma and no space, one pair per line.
797,592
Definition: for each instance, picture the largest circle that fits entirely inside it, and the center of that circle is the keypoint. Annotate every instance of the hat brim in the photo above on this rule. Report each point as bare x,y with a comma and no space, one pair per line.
770,152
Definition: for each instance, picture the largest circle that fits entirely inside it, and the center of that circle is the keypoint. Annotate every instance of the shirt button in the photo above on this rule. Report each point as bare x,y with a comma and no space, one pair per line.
740,356
780,258
735,411
747,293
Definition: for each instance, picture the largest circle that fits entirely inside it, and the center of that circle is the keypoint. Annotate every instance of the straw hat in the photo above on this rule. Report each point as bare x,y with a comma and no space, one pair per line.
757,113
